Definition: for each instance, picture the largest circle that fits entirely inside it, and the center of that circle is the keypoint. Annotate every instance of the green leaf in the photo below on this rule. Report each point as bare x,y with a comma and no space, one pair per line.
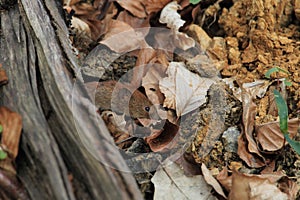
283,70
3,154
1,128
194,1
294,144
275,69
271,71
282,111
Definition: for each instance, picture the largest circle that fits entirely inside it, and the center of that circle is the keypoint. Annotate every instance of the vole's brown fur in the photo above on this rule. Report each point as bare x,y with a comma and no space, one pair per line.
111,95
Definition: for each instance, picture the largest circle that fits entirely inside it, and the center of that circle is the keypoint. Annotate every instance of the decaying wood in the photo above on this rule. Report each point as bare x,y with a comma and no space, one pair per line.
40,64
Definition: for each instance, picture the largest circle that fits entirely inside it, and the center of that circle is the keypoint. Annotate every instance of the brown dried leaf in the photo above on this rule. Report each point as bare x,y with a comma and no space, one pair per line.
141,8
136,23
153,6
254,187
249,113
135,7
188,164
212,181
145,57
81,26
251,159
122,38
3,76
86,13
291,188
225,179
12,126
161,139
270,136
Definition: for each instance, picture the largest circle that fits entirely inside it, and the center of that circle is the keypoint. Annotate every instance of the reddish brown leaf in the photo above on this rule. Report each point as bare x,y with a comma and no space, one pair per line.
91,15
249,113
270,136
3,76
188,164
164,138
12,126
225,179
135,7
153,6
141,8
291,188
251,159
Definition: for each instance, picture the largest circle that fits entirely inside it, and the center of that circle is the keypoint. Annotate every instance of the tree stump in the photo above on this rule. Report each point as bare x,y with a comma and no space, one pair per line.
37,56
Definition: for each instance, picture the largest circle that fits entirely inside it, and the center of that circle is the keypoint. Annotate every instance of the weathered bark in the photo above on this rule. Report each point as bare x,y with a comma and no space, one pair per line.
37,56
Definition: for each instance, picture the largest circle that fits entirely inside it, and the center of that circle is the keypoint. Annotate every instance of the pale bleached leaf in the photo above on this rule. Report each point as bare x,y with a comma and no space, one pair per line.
170,16
184,90
172,19
171,183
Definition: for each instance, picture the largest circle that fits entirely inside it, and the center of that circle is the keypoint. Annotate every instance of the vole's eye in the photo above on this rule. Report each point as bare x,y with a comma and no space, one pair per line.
147,108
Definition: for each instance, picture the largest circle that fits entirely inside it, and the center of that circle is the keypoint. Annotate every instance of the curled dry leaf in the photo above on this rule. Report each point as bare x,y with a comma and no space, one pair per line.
93,20
164,138
173,20
251,159
171,183
254,187
224,179
212,181
3,76
270,136
184,90
12,126
249,113
188,164
170,16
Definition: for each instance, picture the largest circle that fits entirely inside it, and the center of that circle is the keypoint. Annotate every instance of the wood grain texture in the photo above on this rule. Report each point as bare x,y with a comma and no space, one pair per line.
37,56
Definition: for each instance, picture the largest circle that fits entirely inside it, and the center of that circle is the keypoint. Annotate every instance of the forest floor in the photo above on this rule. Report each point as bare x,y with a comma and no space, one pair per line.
231,136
